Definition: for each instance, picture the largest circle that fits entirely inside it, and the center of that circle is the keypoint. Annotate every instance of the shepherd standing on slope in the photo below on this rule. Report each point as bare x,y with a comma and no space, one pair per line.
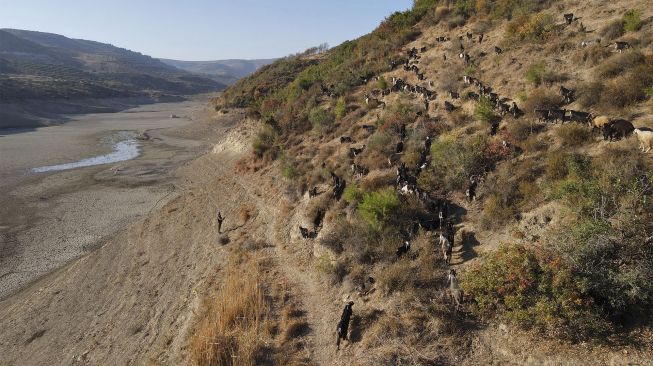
220,220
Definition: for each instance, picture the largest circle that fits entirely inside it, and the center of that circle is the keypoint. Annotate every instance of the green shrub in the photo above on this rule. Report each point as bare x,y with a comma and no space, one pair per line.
535,73
340,110
377,207
496,212
484,111
266,143
632,20
353,193
382,83
534,291
456,160
321,117
537,26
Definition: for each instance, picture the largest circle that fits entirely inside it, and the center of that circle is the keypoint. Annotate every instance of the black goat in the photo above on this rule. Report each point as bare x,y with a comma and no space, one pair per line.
471,190
306,234
343,325
557,115
620,46
313,192
319,217
353,152
498,50
400,147
403,249
581,117
449,107
569,18
617,129
567,94
344,139
402,132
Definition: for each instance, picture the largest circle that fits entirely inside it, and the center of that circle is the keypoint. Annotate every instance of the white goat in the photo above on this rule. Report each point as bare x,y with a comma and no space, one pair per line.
446,248
645,139
454,289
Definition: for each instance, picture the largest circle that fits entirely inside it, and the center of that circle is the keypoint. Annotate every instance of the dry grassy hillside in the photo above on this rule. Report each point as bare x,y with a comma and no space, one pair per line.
554,254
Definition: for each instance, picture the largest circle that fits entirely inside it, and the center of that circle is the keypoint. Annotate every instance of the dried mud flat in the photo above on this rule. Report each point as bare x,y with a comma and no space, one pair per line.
49,219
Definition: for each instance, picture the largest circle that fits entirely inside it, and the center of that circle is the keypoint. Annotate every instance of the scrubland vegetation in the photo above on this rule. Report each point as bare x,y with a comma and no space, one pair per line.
584,277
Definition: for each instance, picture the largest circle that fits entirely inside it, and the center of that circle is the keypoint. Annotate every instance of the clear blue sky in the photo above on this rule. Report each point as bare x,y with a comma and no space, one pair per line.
203,29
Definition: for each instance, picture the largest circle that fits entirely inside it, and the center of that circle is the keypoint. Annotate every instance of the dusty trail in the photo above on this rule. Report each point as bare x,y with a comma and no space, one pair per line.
317,300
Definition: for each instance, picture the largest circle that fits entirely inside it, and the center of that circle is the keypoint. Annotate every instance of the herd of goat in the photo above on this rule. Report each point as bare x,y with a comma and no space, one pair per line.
437,217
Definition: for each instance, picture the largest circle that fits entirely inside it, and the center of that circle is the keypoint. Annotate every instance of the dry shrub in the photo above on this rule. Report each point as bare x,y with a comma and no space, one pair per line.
449,81
397,276
496,213
441,12
591,55
542,98
618,64
589,93
456,21
521,129
556,166
459,118
612,30
535,143
377,179
233,331
572,135
295,329
244,214
335,271
628,89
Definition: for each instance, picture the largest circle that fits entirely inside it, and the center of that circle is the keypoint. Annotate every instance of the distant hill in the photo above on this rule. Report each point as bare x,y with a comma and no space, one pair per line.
223,71
46,66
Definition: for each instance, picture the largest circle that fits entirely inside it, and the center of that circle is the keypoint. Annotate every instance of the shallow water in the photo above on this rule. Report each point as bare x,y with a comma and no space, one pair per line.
125,147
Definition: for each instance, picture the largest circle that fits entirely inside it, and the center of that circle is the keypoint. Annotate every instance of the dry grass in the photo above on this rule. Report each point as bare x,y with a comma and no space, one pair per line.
542,98
573,135
233,330
244,214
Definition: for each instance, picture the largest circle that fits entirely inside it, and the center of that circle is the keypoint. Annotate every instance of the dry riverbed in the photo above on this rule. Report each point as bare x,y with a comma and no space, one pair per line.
48,219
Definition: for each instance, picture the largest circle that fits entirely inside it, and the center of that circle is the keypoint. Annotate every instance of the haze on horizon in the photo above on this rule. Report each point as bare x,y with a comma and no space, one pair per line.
202,30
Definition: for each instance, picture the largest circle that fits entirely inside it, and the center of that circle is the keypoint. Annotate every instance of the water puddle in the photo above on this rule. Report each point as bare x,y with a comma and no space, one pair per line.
125,147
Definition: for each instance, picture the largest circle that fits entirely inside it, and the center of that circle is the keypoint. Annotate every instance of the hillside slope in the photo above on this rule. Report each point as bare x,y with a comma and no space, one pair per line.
550,223
223,71
44,75
49,66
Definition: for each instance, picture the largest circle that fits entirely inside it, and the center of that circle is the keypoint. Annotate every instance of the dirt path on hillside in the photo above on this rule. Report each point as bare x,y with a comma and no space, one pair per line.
317,300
